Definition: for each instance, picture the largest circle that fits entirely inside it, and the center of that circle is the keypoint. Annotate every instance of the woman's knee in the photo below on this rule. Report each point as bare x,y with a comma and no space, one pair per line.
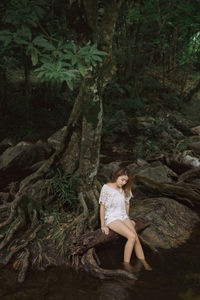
133,223
131,236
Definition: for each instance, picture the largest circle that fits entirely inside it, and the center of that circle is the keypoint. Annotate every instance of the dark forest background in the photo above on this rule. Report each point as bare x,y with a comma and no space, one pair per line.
47,46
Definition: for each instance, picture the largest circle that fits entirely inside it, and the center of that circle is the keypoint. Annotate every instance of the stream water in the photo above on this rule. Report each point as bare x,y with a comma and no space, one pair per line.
175,276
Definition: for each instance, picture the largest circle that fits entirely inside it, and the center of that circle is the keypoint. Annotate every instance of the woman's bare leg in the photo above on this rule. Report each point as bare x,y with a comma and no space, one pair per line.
122,229
138,247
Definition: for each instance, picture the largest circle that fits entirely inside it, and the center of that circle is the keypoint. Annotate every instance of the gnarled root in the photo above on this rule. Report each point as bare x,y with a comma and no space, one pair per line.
21,264
12,206
15,225
22,245
90,263
92,196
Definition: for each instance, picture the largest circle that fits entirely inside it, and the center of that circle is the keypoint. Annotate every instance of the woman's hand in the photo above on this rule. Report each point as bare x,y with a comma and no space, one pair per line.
105,230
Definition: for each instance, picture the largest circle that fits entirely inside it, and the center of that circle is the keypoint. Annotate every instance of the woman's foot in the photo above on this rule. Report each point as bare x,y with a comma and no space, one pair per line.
146,265
128,267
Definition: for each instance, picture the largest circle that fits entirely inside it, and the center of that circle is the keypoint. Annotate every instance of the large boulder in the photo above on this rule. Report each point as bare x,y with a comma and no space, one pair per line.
171,221
106,171
21,156
156,170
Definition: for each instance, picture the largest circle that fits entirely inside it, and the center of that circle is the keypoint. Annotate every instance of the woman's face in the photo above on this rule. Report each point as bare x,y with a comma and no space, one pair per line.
122,180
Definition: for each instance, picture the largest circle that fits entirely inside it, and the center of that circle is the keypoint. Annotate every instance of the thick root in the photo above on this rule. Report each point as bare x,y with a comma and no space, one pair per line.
13,205
23,265
38,261
23,245
14,227
92,195
81,219
91,265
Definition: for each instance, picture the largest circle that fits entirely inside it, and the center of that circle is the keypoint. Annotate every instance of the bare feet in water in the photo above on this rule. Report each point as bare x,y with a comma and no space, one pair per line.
128,267
146,265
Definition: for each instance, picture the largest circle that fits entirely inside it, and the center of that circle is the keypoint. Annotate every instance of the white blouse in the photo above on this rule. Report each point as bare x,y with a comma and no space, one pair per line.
114,202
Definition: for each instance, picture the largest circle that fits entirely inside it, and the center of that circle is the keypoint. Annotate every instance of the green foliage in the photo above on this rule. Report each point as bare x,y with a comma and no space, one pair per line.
62,187
25,12
64,61
57,57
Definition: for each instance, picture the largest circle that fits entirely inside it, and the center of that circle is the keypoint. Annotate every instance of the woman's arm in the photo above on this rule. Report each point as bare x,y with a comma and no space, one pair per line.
104,228
127,208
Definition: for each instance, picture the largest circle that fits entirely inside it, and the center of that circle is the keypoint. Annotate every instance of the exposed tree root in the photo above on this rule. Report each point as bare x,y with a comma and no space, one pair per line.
5,206
22,245
91,265
93,196
23,265
15,226
12,206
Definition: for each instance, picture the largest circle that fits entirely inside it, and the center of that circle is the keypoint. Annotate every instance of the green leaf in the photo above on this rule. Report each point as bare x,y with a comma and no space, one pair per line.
74,60
101,53
42,42
81,69
34,58
93,63
97,58
69,83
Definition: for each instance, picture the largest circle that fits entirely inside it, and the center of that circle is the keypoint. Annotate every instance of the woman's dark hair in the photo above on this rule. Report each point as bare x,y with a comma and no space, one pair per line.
121,172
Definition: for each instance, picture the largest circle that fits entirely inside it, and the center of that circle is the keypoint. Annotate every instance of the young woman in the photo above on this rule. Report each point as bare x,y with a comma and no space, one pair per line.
114,215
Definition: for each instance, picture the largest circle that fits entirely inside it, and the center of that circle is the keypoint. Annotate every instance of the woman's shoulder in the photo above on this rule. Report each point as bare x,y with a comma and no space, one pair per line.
105,186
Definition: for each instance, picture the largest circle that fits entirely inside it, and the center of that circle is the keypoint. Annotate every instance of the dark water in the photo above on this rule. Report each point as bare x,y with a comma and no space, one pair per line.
175,276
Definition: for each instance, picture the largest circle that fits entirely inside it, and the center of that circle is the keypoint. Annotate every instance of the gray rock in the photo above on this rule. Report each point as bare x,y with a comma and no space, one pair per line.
171,221
156,171
106,171
21,156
